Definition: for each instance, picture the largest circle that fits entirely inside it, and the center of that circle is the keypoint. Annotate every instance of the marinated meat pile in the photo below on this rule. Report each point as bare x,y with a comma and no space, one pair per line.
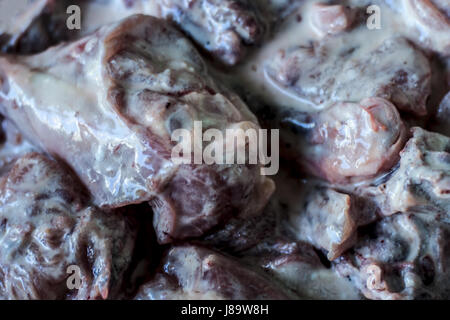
93,204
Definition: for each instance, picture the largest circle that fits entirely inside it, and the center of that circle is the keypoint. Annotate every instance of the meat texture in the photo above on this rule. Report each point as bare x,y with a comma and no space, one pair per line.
347,142
430,20
422,181
47,225
196,273
334,70
32,26
329,220
222,28
405,256
299,268
108,105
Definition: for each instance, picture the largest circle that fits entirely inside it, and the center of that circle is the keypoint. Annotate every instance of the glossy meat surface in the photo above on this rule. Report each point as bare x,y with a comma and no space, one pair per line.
116,97
347,141
48,225
192,272
31,26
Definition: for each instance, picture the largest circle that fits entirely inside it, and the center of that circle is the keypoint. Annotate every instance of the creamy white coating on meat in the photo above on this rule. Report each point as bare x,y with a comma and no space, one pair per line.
190,272
422,181
406,256
46,225
116,98
363,210
31,26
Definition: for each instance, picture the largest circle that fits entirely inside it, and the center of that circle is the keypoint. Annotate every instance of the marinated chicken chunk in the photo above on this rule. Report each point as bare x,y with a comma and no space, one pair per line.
330,19
422,181
32,26
298,267
221,27
347,141
430,20
48,225
196,273
329,220
337,71
405,256
108,105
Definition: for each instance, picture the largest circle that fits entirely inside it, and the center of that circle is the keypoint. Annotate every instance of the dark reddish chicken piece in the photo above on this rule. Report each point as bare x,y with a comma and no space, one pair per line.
32,26
48,225
196,273
108,105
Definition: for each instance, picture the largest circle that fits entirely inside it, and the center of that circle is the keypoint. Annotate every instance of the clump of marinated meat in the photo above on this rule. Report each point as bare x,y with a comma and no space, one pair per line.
330,19
430,20
196,273
222,27
348,140
334,70
299,268
48,225
405,256
116,97
329,220
422,181
31,26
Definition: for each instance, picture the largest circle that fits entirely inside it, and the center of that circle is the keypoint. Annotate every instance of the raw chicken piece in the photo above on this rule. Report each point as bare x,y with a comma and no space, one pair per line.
431,19
422,182
108,105
196,273
405,256
28,26
48,225
347,141
335,71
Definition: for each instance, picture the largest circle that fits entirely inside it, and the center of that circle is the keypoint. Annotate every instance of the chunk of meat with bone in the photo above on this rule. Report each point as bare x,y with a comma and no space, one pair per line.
222,27
196,273
336,71
329,19
406,256
422,182
347,141
31,26
432,19
108,105
47,226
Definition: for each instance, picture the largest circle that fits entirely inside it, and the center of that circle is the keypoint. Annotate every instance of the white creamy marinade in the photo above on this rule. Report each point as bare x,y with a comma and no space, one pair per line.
360,206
